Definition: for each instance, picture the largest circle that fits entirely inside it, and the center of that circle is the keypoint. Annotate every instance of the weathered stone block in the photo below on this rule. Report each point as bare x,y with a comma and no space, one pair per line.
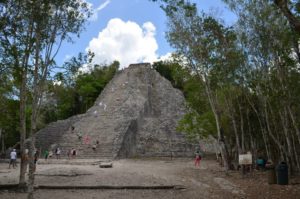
106,165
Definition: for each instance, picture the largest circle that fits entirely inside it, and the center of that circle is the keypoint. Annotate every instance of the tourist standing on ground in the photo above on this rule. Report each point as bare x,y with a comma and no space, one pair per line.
74,153
13,159
36,157
57,153
197,158
94,147
86,139
50,154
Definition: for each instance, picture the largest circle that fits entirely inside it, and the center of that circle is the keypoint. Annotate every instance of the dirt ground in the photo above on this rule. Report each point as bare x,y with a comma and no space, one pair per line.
207,181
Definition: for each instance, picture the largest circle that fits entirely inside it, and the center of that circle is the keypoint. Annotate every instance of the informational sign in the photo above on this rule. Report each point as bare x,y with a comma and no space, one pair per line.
245,159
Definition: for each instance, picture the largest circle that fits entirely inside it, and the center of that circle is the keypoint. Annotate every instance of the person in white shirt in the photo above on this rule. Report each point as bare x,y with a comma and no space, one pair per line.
13,159
57,153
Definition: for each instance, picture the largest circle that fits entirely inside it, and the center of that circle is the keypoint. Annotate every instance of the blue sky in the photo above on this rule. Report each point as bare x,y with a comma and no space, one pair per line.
130,31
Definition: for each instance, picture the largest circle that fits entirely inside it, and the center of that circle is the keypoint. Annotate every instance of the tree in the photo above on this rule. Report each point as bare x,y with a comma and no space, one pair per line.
248,73
33,31
82,90
9,108
199,122
200,39
291,11
172,71
272,73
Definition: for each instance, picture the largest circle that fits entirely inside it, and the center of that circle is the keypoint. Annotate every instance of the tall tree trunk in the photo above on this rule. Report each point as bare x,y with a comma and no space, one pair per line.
242,128
283,151
220,131
32,168
253,144
0,133
294,123
23,100
253,147
2,142
284,123
290,154
262,127
35,99
23,93
230,110
295,152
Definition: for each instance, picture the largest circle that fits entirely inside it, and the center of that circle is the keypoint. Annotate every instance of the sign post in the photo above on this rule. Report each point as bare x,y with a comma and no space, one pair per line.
246,161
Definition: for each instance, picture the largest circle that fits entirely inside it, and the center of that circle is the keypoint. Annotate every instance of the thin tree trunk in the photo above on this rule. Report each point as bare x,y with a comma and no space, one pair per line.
252,142
285,130
217,116
263,130
289,154
269,131
0,133
242,128
295,152
220,131
294,123
2,142
32,168
266,142
23,100
23,164
230,111
253,147
281,147
35,98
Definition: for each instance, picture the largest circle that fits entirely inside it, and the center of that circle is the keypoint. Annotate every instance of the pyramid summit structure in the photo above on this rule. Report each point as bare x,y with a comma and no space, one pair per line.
135,116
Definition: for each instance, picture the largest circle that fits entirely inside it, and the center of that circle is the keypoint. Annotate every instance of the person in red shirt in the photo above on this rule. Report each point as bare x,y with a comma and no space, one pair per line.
197,159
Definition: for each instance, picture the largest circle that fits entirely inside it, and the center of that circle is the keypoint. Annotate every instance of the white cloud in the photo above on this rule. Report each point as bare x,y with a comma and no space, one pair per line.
125,42
85,68
166,57
103,5
94,16
67,57
55,82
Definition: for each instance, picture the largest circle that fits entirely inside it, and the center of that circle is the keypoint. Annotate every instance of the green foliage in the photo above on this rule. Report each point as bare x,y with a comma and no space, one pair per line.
89,86
197,126
8,109
198,122
9,123
172,71
32,32
72,93
245,76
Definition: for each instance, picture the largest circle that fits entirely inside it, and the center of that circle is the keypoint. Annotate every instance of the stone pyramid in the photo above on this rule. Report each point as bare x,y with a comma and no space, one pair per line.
135,116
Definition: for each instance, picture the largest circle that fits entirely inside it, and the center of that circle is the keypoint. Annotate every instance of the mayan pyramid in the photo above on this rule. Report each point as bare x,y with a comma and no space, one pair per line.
135,116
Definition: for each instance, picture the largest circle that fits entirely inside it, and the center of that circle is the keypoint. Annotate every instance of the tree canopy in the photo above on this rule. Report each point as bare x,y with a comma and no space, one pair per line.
242,80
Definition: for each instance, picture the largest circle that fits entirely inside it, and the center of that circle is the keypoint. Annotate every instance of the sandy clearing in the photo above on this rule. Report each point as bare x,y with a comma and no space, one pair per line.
208,181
